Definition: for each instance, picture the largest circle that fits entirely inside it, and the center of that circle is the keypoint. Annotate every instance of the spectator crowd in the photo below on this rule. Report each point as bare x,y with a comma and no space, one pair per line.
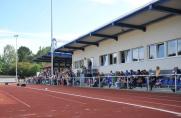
128,79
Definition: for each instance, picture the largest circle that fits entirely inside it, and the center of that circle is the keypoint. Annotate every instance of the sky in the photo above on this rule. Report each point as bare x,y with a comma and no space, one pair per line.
30,19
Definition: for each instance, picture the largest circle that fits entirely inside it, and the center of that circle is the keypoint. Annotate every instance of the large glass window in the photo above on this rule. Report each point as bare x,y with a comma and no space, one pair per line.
104,60
79,64
135,54
172,48
160,50
152,52
141,53
113,58
179,47
75,64
138,54
125,56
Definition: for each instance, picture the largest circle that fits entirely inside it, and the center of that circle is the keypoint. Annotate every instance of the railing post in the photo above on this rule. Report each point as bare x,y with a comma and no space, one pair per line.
80,81
127,82
175,83
148,82
73,81
112,83
99,82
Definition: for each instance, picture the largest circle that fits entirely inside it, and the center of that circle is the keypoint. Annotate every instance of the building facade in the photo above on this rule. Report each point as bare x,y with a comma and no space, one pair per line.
160,46
148,37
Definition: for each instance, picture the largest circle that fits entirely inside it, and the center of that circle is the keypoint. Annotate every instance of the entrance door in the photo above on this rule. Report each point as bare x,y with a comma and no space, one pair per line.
90,63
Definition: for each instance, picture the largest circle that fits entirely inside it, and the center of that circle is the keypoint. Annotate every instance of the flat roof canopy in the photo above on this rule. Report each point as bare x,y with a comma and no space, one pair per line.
57,56
137,20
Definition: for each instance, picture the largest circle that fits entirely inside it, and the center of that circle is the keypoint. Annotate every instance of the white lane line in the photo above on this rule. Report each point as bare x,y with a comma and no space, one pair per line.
155,98
159,103
112,101
152,98
26,115
20,101
65,99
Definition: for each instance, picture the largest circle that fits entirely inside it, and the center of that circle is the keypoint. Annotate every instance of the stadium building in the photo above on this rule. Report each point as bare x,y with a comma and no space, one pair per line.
143,39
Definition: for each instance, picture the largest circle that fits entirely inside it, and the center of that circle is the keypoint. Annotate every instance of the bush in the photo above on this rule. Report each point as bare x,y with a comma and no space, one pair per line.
25,69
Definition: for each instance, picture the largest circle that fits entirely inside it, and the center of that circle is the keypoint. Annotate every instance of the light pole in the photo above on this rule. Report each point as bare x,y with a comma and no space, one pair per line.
51,43
16,36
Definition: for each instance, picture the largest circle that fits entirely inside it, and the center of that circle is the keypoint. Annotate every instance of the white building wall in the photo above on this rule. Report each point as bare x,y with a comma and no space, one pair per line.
165,30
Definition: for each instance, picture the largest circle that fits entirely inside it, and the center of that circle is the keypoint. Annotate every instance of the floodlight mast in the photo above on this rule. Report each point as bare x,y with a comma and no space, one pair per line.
52,50
16,37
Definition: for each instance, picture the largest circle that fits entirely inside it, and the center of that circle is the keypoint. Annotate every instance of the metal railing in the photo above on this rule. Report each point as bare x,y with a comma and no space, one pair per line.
164,82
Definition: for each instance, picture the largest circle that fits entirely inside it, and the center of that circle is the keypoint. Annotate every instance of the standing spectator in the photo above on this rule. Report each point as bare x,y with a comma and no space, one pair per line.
110,75
157,72
152,79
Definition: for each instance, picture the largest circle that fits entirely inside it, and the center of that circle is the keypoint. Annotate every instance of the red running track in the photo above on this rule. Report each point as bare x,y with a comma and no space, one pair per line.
67,102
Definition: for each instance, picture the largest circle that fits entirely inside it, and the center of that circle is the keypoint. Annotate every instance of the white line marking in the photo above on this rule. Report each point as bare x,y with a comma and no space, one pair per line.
146,101
32,114
155,98
66,99
161,104
112,101
20,101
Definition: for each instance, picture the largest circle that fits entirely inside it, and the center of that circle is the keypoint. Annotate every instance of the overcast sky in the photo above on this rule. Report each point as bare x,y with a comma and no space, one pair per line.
30,19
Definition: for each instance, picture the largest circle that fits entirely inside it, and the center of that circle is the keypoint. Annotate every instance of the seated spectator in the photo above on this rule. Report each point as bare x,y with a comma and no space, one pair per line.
158,83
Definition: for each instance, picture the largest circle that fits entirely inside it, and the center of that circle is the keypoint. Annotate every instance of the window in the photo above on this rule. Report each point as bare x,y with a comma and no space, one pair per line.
172,48
104,60
138,54
160,50
141,53
179,47
156,51
113,58
135,54
79,64
152,52
125,56
75,64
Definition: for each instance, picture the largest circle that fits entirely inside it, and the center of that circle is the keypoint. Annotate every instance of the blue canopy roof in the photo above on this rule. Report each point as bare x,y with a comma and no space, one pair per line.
57,56
60,54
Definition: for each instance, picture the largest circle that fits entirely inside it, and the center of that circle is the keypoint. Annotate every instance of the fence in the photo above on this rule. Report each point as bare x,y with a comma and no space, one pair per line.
7,80
165,82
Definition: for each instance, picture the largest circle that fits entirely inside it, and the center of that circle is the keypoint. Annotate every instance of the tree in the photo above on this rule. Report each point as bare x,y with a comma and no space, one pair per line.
8,58
25,54
42,51
1,65
9,55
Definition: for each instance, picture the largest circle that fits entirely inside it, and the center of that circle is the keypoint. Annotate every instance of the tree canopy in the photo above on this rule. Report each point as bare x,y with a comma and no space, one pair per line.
9,55
42,51
26,66
24,54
